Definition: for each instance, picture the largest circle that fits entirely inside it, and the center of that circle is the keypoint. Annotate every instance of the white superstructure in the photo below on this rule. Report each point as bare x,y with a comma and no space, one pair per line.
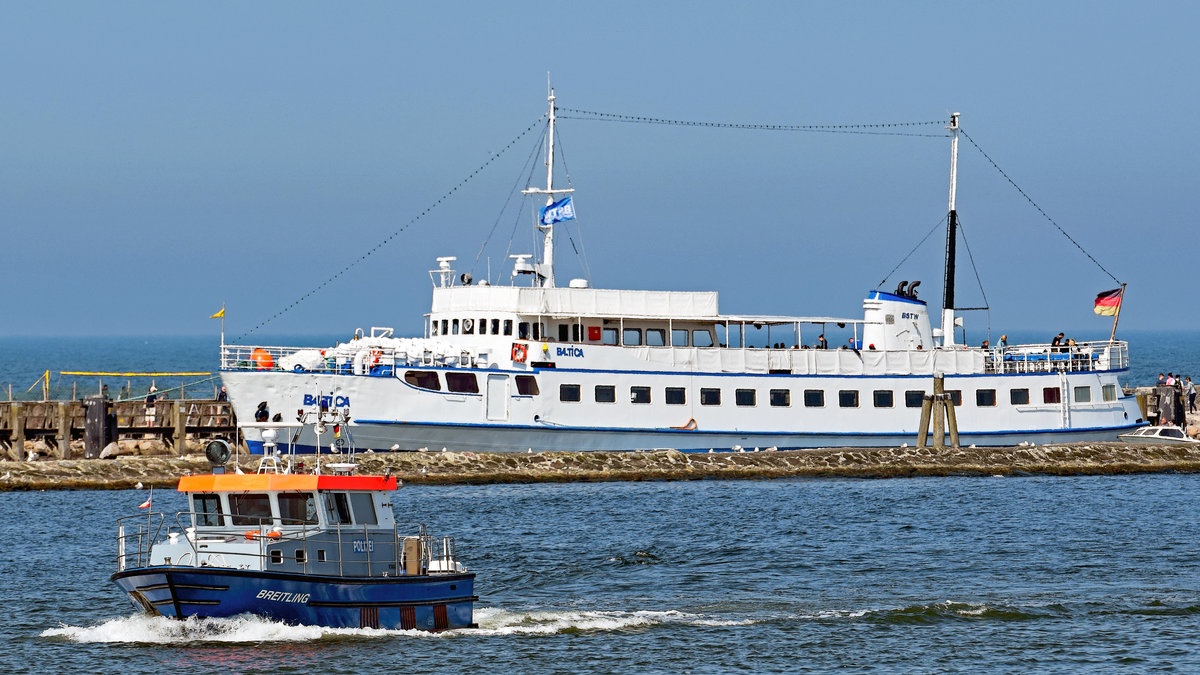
547,367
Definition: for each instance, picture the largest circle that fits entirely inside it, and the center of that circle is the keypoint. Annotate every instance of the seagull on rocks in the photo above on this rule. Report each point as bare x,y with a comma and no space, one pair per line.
138,486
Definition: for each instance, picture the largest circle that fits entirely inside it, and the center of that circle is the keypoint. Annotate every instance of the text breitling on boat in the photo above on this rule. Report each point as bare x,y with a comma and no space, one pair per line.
549,367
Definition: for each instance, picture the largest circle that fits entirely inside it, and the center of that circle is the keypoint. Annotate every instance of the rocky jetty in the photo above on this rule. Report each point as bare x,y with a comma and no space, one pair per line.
447,467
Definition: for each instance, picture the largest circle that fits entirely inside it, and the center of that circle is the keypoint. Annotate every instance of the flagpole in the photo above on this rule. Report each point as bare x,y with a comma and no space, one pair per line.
1117,316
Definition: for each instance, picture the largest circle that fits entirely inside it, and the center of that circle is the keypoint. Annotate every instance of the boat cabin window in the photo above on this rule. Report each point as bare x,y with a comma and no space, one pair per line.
710,396
702,338
639,394
462,383
423,379
1051,395
445,324
297,508
1018,396
364,508
883,398
250,509
1109,391
632,337
679,337
433,328
575,332
781,398
609,336
606,393
1083,394
676,396
913,398
337,508
568,392
523,330
848,398
744,397
507,327
527,385
1171,433
538,330
656,337
496,327
454,327
483,327
985,398
564,332
208,510
814,398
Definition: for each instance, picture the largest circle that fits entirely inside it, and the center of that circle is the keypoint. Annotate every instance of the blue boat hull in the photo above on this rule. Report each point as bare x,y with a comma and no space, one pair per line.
405,602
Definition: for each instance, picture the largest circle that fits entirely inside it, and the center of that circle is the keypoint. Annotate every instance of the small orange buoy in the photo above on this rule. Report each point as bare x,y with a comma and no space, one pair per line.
262,359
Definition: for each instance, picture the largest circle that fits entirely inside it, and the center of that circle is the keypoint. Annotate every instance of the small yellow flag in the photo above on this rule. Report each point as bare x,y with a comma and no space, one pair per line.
219,315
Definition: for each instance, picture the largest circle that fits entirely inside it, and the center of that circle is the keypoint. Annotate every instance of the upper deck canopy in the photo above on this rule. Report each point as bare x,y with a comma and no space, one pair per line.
230,482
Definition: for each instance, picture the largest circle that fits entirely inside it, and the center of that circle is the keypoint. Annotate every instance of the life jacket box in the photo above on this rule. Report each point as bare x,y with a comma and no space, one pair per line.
412,555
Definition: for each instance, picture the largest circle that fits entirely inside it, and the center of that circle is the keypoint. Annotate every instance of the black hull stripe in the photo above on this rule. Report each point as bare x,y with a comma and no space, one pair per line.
198,587
398,603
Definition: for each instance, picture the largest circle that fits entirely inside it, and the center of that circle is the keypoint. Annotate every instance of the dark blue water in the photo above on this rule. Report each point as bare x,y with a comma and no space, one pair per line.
25,359
915,575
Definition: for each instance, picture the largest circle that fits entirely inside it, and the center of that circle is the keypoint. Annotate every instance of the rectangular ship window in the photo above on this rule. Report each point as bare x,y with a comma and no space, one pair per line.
523,330
568,392
781,398
883,398
985,398
676,396
639,394
1083,394
702,338
610,336
364,508
496,327
606,393
507,327
744,397
632,337
848,398
575,337
656,337
913,398
454,326
814,398
251,509
1018,396
1109,391
423,379
710,397
297,508
483,326
462,383
1051,395
208,509
527,385
564,332
679,337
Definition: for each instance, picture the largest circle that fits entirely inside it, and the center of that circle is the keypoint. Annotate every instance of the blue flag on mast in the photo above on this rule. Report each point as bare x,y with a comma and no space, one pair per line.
557,212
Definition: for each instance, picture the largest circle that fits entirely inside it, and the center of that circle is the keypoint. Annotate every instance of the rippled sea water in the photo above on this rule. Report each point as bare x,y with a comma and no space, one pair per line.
920,575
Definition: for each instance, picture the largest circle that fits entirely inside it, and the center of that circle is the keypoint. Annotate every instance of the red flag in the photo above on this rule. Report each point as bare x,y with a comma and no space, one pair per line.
1108,302
145,504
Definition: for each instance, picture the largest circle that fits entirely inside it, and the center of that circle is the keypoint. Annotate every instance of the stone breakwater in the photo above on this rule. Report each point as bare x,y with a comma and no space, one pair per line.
480,468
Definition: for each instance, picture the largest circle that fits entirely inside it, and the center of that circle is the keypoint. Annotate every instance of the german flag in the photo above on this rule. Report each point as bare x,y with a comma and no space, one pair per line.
1108,302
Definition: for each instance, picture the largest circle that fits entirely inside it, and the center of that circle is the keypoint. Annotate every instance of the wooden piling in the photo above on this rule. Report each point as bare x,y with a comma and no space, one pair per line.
952,422
17,447
64,431
926,411
179,418
939,412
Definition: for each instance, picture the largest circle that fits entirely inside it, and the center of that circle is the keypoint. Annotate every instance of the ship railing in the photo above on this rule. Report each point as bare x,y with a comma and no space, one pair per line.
377,361
135,535
379,553
1044,358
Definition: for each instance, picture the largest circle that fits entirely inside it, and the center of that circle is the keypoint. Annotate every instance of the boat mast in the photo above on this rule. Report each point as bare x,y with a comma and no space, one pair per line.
545,269
951,240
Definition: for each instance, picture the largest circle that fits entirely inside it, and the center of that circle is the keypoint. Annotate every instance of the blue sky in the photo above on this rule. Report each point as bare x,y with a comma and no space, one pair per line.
160,159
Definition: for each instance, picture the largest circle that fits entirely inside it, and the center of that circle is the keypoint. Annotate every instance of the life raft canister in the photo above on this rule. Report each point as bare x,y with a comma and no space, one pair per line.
518,352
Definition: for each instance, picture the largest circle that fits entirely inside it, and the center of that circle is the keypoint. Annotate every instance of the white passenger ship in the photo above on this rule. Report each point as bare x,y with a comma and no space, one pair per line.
546,367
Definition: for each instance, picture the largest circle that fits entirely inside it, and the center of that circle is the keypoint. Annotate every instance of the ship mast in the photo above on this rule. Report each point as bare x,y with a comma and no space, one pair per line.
951,240
545,269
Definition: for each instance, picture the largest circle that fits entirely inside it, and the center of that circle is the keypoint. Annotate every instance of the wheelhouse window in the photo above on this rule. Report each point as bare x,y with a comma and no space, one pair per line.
1018,396
814,398
606,393
848,398
575,335
1051,395
913,398
781,398
568,392
523,330
296,508
609,336
208,510
656,337
985,398
250,509
483,326
710,396
337,508
744,397
433,328
527,385
445,326
639,394
423,379
507,327
679,337
883,398
1109,391
454,327
676,396
462,383
702,338
1083,394
496,327
364,508
631,337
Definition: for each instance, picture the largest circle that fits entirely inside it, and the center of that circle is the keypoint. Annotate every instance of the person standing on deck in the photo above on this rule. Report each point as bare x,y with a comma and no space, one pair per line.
1190,390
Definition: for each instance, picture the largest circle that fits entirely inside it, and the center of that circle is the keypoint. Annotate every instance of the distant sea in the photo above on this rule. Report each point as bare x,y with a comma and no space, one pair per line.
24,359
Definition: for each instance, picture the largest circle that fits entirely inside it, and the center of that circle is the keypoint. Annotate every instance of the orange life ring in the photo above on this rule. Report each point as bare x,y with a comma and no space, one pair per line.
374,357
518,352
251,534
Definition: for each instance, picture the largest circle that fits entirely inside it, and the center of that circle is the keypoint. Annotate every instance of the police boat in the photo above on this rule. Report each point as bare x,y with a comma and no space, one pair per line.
311,548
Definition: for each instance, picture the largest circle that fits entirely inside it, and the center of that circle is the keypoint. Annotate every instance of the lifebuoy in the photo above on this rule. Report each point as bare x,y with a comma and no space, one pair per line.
518,352
373,357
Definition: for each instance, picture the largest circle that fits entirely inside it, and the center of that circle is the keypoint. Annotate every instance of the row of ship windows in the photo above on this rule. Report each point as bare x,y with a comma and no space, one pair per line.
653,337
468,383
815,398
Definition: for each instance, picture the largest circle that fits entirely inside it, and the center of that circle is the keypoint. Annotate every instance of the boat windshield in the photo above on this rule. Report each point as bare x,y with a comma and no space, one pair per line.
250,509
296,508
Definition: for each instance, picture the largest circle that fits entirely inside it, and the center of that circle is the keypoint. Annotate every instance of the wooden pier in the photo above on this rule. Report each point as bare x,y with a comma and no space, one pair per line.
58,423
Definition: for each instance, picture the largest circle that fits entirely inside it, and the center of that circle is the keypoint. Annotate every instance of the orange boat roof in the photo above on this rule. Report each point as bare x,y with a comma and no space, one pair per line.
232,482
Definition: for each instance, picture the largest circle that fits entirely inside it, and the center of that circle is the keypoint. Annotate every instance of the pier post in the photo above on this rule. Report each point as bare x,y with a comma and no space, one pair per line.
179,418
64,431
952,422
926,411
17,448
939,412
